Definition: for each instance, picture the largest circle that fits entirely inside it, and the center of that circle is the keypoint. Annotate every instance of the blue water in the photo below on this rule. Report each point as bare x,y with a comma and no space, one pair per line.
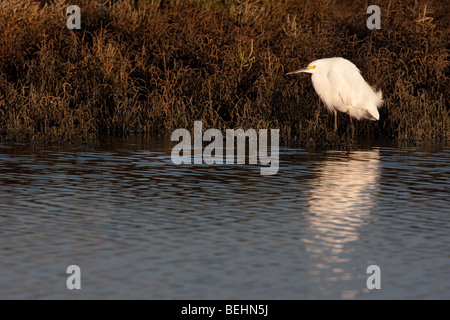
141,227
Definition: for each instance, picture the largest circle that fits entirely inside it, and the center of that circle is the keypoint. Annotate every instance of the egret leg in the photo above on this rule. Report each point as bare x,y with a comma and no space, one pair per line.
335,121
352,125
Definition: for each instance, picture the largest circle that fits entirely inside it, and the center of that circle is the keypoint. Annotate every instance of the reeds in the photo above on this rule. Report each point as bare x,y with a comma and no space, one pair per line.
154,66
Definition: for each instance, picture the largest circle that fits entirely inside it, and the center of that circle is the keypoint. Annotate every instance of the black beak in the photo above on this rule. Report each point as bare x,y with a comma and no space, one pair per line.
297,71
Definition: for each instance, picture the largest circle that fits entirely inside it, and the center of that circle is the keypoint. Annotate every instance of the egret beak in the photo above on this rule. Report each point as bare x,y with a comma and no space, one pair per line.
305,69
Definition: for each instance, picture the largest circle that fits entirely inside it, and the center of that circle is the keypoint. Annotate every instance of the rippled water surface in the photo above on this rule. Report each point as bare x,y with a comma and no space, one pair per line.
141,227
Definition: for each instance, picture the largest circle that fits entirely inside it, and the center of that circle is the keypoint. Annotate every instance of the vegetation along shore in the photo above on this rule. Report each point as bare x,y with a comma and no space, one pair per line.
155,66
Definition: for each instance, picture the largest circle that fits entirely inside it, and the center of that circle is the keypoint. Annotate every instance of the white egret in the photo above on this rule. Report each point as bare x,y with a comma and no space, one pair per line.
339,84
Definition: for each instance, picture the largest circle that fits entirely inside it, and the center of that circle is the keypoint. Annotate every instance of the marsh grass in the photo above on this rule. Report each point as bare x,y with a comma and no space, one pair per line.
154,66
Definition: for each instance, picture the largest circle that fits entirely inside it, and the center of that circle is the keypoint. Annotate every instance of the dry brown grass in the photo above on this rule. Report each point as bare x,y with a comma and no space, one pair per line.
152,66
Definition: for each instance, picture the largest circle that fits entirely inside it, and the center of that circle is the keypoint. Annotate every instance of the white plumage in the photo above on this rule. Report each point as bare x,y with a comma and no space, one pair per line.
339,84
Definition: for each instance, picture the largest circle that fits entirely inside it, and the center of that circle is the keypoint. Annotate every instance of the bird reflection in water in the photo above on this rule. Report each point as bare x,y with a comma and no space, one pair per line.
340,201
342,196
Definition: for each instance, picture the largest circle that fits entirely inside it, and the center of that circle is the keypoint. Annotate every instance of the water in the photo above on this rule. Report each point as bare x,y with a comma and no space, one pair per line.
140,227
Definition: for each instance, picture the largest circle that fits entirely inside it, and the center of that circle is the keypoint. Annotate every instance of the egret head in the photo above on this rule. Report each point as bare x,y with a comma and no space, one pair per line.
309,69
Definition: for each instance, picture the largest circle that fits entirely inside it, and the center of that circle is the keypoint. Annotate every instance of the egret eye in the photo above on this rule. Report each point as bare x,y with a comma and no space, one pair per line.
311,67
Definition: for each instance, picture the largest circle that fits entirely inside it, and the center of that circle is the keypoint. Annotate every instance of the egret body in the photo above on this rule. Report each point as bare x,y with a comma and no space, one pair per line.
339,84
